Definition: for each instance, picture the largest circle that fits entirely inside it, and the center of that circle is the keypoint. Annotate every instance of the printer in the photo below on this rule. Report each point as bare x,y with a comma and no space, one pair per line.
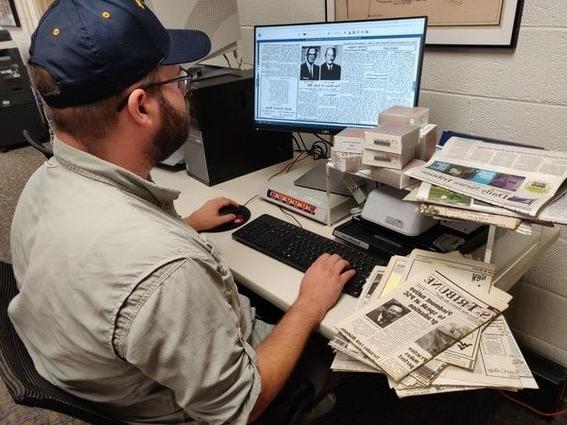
18,108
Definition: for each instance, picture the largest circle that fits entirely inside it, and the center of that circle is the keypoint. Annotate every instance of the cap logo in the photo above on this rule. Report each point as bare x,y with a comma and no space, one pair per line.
56,32
140,4
106,15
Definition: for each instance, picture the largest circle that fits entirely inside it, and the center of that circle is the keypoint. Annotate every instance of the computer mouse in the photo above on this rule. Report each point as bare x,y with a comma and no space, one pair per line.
242,216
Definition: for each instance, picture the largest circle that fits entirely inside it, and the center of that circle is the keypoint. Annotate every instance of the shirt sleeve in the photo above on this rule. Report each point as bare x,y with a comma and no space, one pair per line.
187,337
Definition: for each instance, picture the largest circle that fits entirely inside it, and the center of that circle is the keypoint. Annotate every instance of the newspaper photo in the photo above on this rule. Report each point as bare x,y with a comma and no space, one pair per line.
420,319
500,362
517,178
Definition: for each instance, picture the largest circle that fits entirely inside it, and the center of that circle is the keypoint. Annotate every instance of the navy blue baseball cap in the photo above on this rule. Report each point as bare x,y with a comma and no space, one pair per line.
96,48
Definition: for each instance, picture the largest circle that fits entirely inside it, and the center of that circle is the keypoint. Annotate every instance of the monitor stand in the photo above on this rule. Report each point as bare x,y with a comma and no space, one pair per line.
315,179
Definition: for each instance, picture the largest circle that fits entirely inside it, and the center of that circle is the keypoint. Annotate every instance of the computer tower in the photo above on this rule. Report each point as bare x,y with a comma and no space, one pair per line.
18,109
223,143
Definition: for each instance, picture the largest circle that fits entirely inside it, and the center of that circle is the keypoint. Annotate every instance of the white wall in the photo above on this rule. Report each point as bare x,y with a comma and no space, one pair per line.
517,95
29,14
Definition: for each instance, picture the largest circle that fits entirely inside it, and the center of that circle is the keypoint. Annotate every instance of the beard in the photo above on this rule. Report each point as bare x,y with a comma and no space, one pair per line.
172,134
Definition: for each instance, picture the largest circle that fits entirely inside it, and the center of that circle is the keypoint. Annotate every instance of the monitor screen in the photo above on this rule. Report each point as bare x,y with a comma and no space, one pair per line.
327,76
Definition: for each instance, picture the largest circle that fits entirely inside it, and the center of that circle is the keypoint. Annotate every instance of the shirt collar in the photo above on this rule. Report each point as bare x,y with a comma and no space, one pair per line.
96,168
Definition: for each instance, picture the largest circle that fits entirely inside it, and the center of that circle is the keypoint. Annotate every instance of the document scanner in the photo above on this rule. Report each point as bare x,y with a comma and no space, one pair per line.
385,206
390,226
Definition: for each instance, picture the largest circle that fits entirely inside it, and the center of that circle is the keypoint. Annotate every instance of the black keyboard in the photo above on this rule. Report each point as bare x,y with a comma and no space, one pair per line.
298,248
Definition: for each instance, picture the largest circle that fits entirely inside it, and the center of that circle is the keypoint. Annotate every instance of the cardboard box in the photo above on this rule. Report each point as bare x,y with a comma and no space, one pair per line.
399,139
403,115
349,140
346,161
375,158
395,178
426,143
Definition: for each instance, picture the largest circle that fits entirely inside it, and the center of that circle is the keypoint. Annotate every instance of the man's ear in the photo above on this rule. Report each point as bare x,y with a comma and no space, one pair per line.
143,109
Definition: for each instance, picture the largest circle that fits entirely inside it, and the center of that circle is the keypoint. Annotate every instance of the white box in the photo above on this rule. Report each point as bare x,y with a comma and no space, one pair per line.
346,161
404,115
385,159
349,140
399,139
426,143
395,178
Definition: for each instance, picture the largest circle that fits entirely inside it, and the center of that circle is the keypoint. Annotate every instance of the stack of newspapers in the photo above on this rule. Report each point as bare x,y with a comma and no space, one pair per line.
507,186
432,323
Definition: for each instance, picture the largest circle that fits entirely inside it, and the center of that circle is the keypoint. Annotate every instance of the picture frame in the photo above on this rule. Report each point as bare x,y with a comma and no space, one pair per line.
8,14
503,34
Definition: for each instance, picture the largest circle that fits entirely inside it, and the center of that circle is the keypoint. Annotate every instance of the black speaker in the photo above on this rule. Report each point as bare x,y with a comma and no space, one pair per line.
223,143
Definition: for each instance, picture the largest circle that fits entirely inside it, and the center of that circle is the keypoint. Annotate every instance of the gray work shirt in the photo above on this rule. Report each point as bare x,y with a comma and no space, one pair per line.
122,303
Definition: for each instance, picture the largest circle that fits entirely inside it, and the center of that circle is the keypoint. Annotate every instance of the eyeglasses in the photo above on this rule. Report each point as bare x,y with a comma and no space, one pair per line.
183,84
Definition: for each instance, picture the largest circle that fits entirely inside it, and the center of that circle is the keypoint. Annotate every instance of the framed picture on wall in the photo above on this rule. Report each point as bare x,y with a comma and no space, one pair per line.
451,22
8,14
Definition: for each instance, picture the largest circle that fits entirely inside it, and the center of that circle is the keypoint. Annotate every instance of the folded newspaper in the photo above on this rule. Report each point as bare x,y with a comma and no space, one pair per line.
394,331
474,210
520,179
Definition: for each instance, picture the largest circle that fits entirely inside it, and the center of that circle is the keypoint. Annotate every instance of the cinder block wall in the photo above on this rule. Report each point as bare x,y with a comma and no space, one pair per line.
517,95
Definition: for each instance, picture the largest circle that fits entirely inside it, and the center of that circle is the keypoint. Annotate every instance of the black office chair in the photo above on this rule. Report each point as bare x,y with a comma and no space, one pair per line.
24,384
45,148
28,388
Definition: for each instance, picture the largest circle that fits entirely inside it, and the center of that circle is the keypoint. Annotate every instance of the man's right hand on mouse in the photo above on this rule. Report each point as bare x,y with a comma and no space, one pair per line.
208,217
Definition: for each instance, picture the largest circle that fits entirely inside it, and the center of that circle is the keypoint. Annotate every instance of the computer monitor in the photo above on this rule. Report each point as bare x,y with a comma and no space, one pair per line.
216,18
323,77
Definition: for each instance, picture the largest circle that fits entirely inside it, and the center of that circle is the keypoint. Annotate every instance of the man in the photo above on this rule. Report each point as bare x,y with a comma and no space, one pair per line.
330,70
387,314
310,71
121,302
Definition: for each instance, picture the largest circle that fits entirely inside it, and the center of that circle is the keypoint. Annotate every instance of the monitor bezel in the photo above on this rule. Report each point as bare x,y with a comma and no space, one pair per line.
320,129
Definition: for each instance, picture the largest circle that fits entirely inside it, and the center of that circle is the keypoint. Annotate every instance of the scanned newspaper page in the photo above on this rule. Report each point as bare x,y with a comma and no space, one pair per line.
440,12
520,179
298,84
417,321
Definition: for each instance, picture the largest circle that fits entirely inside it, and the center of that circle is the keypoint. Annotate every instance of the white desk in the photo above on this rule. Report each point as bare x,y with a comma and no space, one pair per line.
278,283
